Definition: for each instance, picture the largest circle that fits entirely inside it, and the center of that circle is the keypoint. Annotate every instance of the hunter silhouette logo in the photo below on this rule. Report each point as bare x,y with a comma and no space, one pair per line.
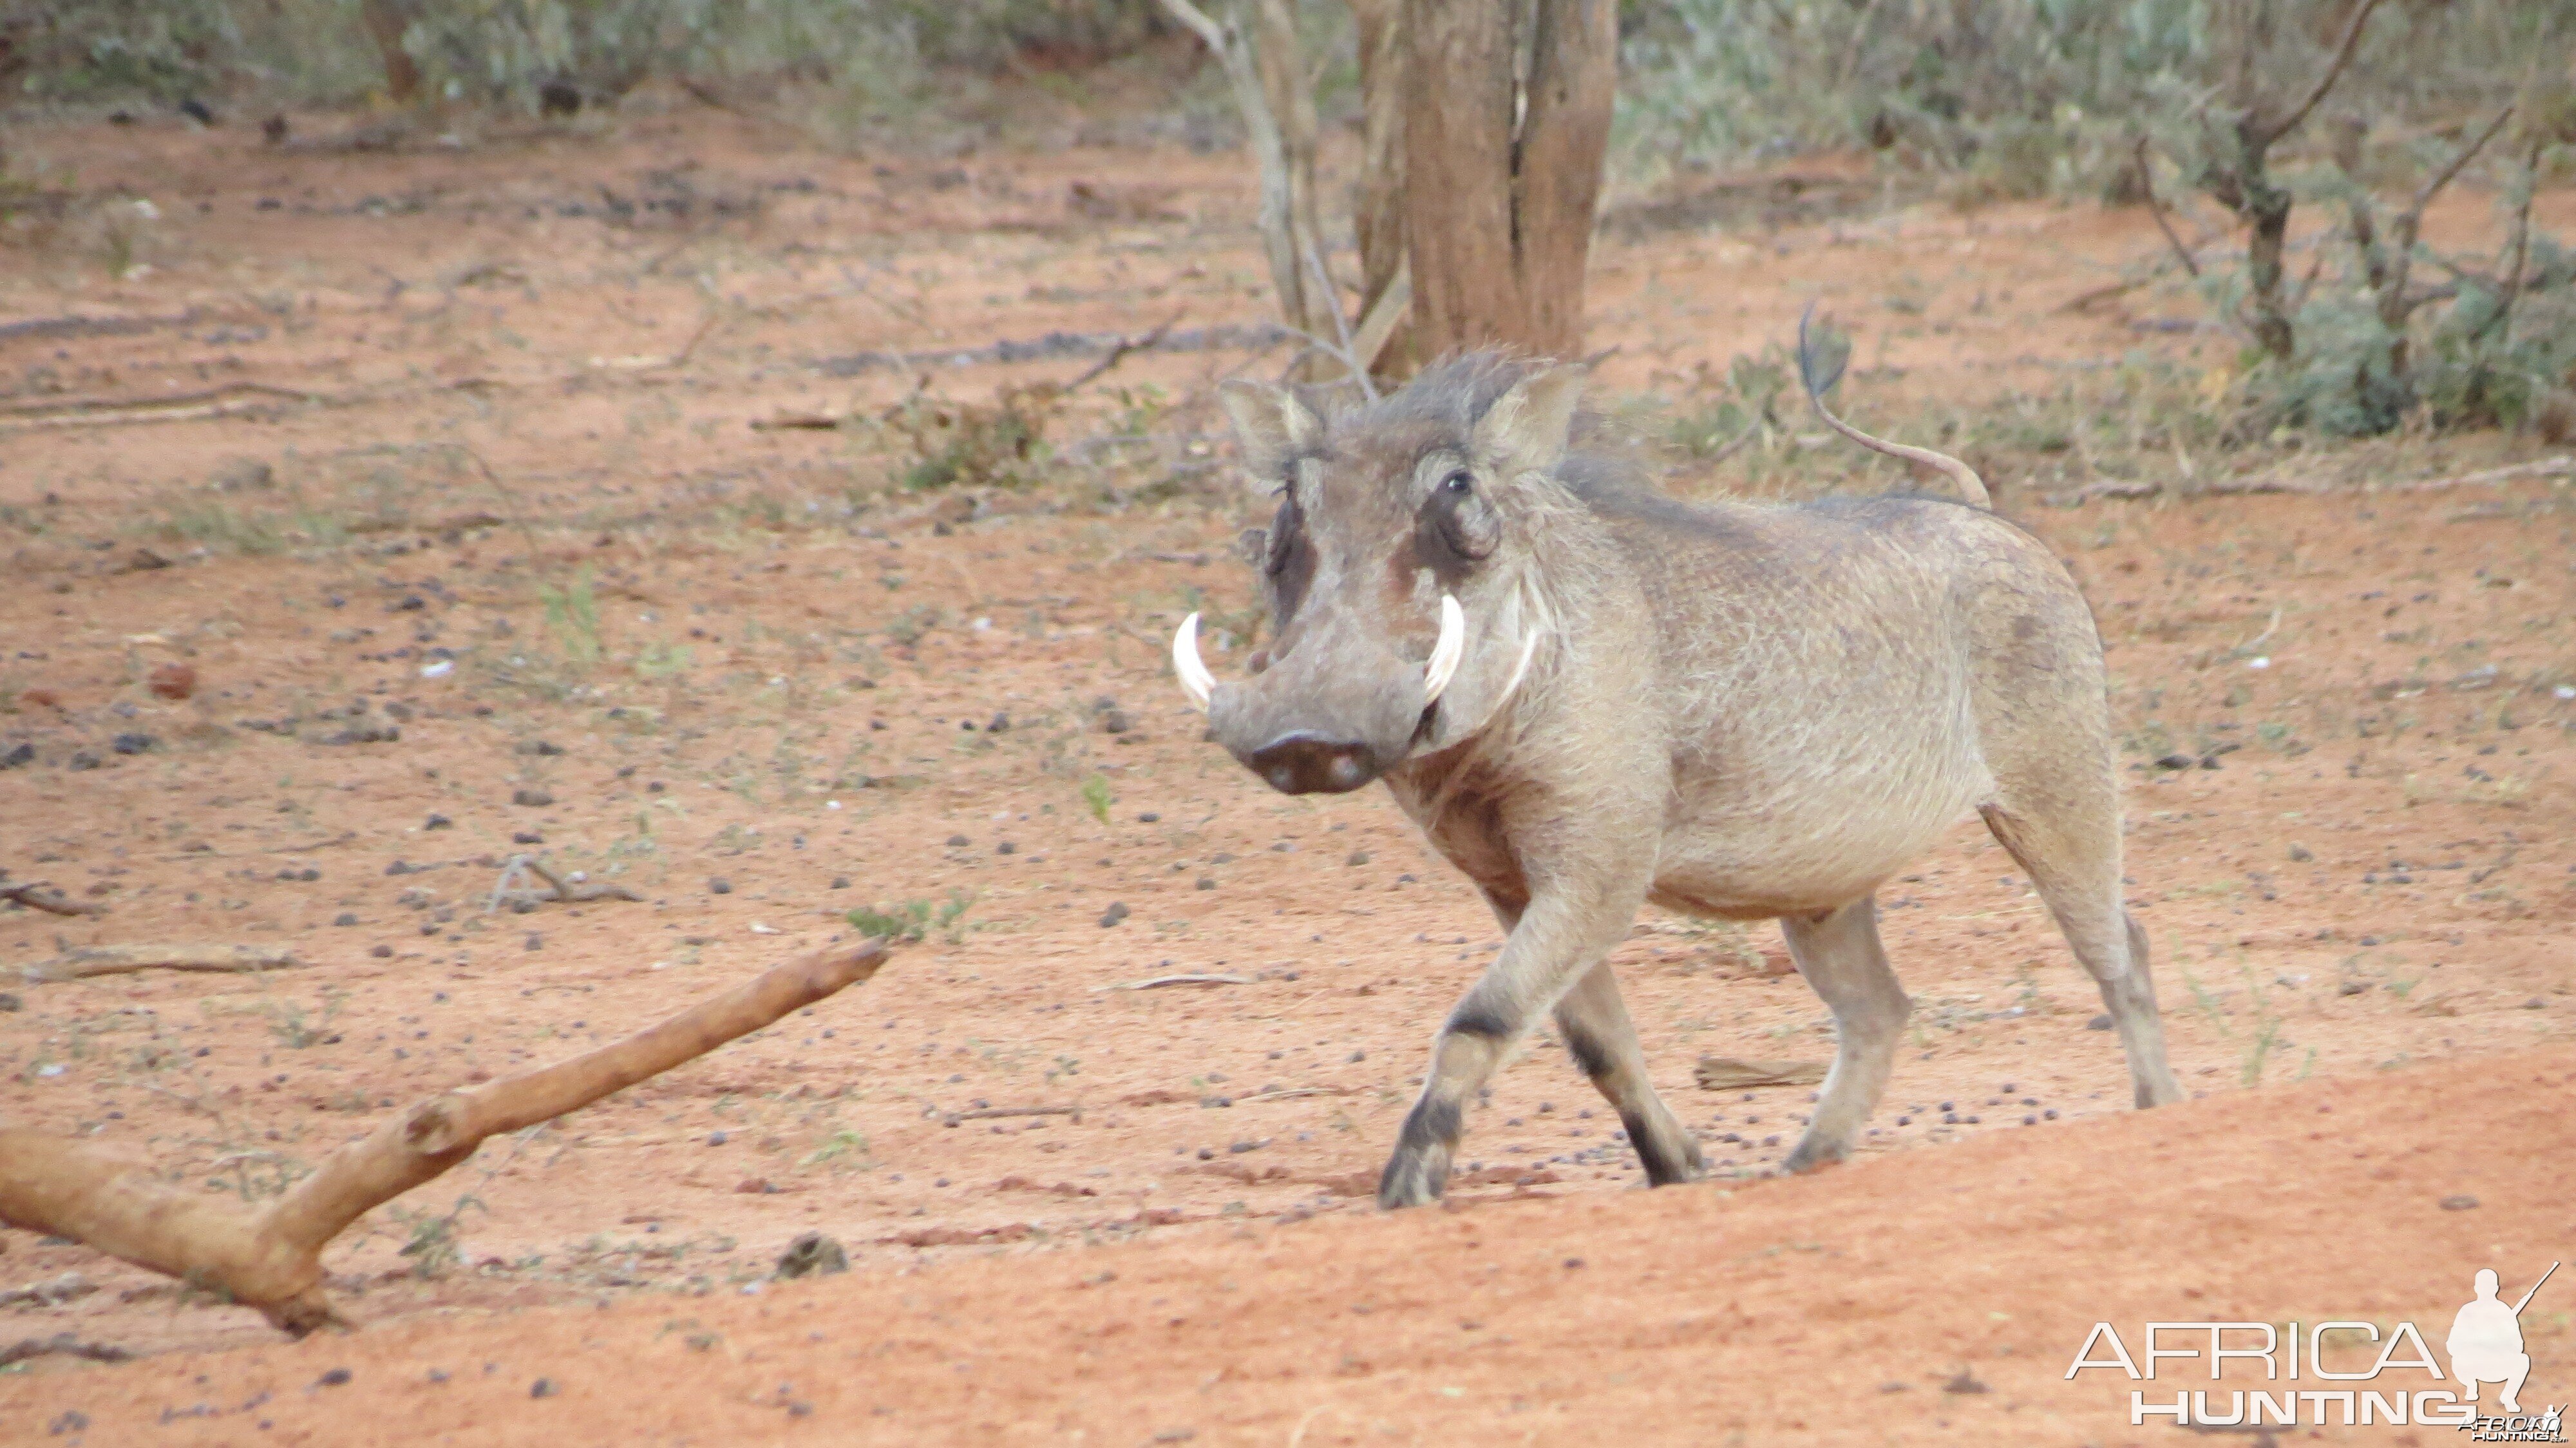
2485,1347
2486,1342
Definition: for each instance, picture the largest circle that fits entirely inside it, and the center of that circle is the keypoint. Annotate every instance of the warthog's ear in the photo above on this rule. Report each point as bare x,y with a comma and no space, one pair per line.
1271,425
1527,427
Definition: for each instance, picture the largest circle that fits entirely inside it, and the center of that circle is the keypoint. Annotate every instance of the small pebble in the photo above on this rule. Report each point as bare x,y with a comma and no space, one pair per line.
543,1388
719,886
333,1378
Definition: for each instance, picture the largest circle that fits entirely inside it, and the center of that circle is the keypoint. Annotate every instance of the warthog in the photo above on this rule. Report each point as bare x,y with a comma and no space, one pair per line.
1589,696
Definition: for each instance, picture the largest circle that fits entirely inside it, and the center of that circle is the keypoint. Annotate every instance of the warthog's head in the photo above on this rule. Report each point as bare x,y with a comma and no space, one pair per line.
1398,569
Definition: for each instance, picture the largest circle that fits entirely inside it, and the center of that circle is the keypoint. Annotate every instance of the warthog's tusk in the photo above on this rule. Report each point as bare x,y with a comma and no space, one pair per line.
1196,681
1445,654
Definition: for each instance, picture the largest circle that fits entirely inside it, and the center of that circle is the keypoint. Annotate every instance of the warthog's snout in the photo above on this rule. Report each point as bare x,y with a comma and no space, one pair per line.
1305,762
1332,713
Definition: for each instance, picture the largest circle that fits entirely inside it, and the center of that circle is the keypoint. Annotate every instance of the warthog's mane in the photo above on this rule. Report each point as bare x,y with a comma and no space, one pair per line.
1604,468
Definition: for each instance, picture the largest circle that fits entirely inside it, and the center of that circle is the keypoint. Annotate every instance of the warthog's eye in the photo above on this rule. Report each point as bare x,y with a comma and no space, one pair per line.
1460,525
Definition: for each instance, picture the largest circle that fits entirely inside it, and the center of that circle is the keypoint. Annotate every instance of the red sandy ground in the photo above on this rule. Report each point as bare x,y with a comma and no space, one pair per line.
2361,914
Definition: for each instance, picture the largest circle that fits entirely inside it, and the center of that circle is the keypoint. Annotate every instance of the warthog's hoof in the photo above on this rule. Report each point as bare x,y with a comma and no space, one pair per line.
1683,1166
1810,1154
1413,1178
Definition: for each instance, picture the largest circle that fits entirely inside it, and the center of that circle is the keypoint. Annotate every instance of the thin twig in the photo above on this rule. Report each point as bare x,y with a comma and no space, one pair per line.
63,1343
41,897
1332,300
1118,353
1737,443
1163,980
2561,466
186,407
575,892
127,959
2442,178
2521,247
2156,209
995,1113
2325,82
2248,646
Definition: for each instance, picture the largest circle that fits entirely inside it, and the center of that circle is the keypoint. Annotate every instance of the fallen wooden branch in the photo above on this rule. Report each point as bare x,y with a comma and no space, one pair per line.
1119,348
575,892
994,1113
97,960
50,328
2561,466
1724,1073
1229,337
271,1257
1117,353
44,897
222,401
1163,980
64,1343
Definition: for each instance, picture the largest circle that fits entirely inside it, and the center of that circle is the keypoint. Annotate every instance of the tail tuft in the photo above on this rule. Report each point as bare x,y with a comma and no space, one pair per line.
1819,374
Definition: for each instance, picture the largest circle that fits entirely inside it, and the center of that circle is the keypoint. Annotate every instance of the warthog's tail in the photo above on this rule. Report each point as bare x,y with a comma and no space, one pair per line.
1818,380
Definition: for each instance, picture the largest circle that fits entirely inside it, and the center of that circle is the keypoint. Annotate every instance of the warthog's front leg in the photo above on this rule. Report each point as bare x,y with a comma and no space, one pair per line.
1561,935
1603,1042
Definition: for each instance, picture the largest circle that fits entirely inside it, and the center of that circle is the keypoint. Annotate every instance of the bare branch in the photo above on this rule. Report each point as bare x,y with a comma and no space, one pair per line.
2155,208
1117,353
44,897
2520,248
101,960
1341,325
1377,328
2442,178
2325,82
270,1258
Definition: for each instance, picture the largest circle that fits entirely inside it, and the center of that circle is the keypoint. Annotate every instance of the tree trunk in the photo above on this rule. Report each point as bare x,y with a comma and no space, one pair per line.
386,21
1503,167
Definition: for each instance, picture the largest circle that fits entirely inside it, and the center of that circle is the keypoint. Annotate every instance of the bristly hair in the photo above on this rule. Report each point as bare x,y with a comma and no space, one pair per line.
1457,390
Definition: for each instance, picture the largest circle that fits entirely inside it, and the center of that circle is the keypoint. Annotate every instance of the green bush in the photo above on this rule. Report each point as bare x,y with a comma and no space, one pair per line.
2018,97
504,52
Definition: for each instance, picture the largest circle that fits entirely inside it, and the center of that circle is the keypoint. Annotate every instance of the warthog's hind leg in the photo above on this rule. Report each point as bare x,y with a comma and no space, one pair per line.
2077,872
1603,1042
1839,954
